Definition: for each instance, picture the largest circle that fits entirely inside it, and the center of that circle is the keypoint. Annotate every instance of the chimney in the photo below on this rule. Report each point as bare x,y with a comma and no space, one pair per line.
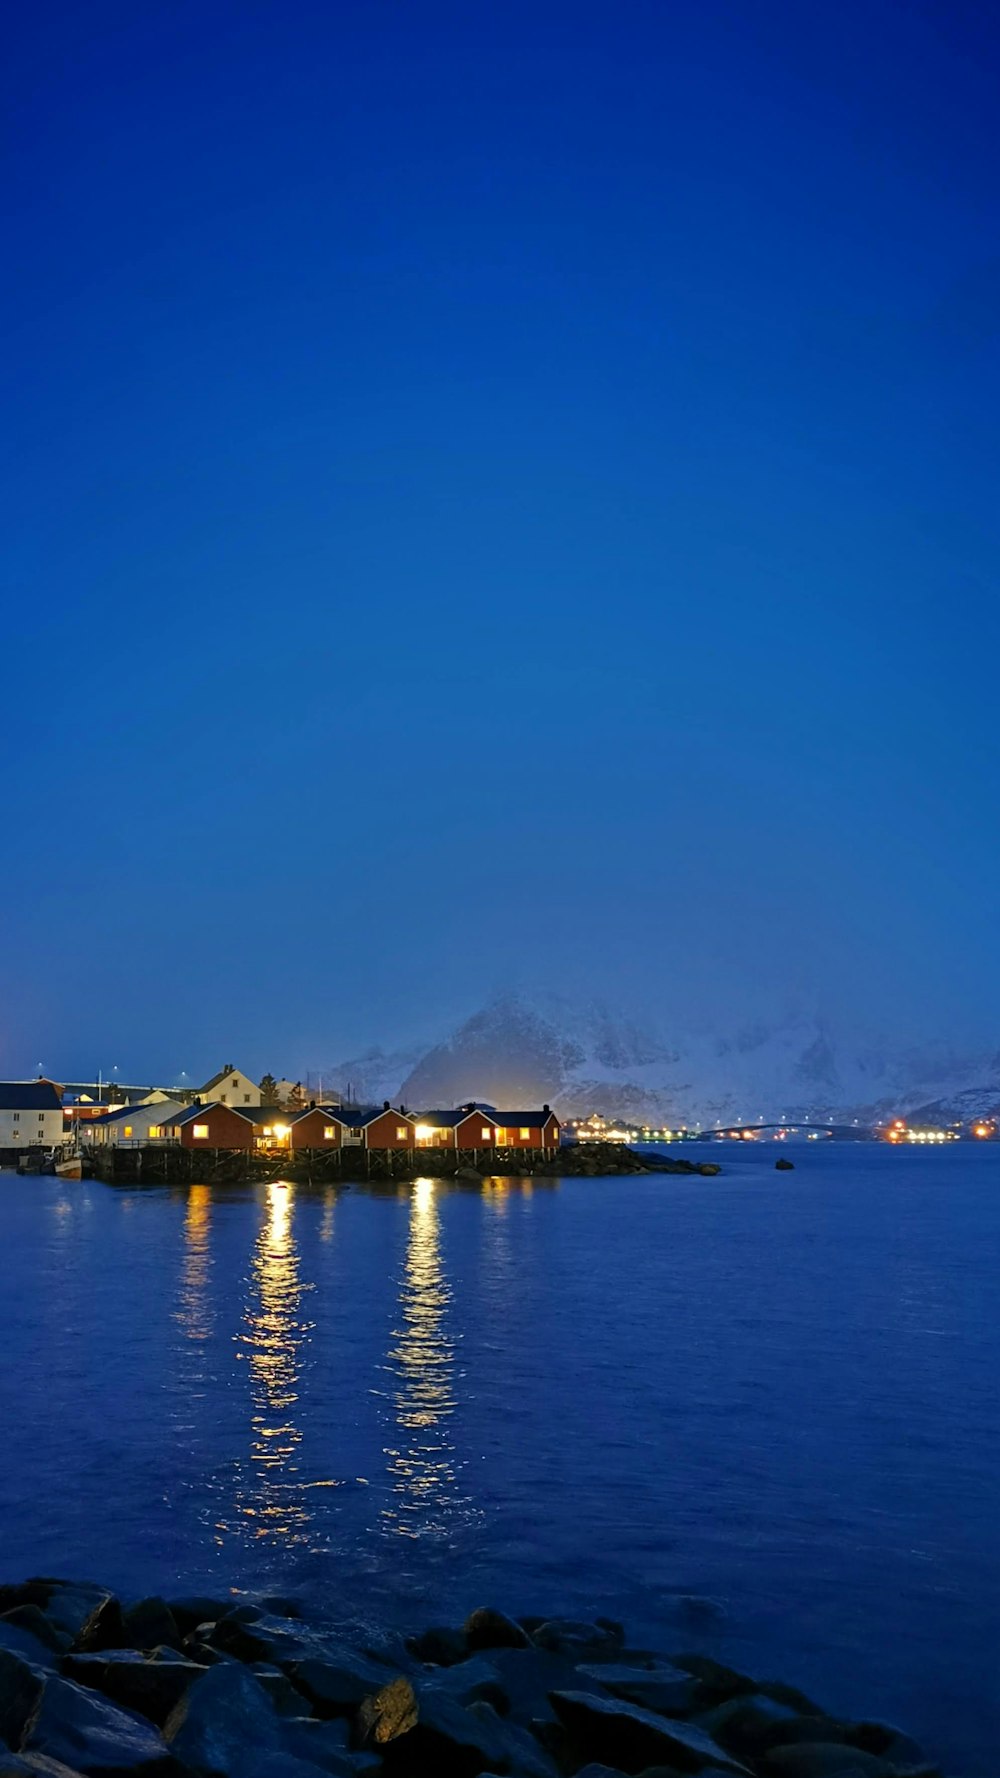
546,1109
385,1105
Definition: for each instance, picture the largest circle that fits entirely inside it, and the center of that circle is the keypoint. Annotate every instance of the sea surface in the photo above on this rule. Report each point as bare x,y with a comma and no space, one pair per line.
758,1415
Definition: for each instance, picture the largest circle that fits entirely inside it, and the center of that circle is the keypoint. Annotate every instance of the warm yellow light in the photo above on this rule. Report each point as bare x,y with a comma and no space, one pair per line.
281,1131
423,1194
423,1132
982,1129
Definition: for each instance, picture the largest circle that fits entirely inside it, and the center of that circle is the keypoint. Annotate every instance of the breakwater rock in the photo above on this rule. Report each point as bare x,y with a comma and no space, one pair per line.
592,1158
206,1688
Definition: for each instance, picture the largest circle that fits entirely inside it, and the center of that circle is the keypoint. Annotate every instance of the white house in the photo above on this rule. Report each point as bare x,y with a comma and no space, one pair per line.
230,1087
132,1124
31,1114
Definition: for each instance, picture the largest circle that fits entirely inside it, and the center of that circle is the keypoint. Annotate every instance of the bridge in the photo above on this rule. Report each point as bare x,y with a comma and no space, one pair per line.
733,1132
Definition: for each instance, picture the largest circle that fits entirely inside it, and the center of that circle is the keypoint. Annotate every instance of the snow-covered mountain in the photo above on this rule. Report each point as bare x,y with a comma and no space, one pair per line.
370,1078
586,1057
974,1105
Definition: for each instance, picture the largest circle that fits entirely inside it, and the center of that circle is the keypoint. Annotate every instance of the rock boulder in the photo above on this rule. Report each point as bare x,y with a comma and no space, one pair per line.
223,1722
626,1736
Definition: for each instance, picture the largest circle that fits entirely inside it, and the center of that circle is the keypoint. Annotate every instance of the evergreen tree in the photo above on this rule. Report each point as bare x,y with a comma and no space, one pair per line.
269,1090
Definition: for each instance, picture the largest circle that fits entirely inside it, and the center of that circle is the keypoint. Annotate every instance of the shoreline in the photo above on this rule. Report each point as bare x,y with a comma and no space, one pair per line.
219,1689
181,1166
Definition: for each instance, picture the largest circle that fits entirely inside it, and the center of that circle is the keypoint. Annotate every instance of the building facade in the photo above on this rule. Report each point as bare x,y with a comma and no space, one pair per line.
483,1126
133,1125
210,1126
31,1114
385,1128
318,1126
230,1087
526,1129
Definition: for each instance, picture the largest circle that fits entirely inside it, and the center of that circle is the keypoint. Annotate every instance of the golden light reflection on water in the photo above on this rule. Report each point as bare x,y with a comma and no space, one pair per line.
422,1468
271,1497
329,1206
193,1312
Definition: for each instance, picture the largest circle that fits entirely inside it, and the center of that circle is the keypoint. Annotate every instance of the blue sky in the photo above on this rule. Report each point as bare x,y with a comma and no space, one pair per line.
495,495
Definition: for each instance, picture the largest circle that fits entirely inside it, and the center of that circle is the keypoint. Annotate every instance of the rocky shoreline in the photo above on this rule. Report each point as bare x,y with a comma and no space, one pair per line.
91,1687
608,1158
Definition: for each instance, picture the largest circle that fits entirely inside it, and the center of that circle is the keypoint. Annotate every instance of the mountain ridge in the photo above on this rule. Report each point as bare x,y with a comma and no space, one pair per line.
586,1056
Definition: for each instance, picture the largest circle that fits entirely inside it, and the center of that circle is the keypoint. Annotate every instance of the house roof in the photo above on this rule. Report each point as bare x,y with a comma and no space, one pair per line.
356,1117
190,1112
330,1111
29,1095
161,1110
261,1114
529,1119
445,1120
217,1079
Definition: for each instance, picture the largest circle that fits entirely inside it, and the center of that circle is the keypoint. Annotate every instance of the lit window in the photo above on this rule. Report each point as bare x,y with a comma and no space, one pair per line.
525,1134
268,1131
400,1132
200,1132
329,1135
155,1130
128,1129
486,1134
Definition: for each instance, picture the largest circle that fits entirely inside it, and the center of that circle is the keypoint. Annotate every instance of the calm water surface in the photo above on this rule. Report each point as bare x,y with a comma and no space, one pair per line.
759,1414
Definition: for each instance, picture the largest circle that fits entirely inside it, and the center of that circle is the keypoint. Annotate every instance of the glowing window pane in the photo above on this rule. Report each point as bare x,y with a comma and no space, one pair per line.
200,1132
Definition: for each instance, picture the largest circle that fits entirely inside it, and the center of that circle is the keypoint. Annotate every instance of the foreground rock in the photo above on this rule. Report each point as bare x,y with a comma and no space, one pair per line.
84,1731
220,1719
631,1738
203,1688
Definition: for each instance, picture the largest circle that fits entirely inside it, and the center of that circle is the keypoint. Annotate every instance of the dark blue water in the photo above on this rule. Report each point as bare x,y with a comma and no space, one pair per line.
777,1393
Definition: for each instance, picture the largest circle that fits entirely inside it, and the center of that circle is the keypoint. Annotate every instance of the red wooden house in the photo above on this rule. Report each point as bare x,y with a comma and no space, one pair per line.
382,1129
483,1126
209,1126
318,1126
526,1129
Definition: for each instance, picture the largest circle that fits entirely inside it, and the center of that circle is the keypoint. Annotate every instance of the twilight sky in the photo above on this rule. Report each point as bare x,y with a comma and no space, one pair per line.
495,495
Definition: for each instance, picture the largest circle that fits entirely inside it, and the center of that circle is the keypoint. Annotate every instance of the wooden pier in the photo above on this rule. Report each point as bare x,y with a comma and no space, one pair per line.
172,1164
